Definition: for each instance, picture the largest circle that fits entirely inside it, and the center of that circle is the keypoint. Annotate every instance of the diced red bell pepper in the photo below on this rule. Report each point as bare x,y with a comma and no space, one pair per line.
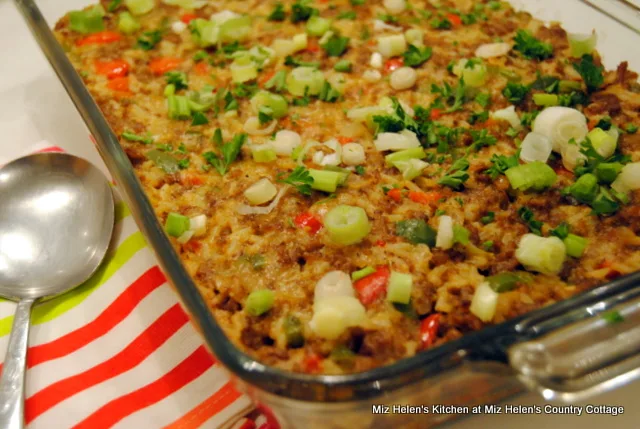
308,222
455,19
381,243
160,66
392,64
99,38
424,197
119,84
435,114
201,69
112,69
429,330
395,194
312,46
345,139
188,17
373,286
247,424
312,363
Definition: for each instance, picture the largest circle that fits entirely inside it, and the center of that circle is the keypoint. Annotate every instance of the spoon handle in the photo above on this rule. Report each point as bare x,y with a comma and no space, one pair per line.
14,368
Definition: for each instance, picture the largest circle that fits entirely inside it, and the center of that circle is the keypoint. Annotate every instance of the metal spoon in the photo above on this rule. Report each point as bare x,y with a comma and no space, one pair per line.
56,222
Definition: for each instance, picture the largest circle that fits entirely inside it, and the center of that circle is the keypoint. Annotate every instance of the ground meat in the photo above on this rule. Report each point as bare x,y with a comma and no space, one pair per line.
604,103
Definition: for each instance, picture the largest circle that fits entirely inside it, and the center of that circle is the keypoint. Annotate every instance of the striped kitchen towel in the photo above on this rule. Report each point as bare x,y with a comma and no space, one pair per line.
119,351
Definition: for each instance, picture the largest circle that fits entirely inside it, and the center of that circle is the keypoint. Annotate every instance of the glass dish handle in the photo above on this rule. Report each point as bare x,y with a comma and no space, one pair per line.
626,12
584,358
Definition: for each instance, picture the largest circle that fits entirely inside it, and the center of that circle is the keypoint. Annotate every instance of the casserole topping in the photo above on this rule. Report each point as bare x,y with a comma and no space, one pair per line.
352,182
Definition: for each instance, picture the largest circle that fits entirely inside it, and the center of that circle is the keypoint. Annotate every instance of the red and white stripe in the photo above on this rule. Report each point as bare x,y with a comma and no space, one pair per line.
125,357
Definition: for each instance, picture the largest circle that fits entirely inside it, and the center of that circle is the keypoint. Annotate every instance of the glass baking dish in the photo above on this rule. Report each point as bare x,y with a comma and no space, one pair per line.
564,351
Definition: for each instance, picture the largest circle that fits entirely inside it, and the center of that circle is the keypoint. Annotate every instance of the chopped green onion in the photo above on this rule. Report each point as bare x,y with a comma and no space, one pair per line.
410,168
347,225
392,46
305,80
474,72
259,302
243,69
484,302
343,356
235,29
542,254
204,32
582,44
178,107
585,189
343,66
264,155
317,26
545,100
176,224
504,282
335,45
199,118
344,173
87,21
360,274
568,86
604,142
293,331
575,245
460,234
488,218
399,288
277,103
260,192
405,155
326,181
607,172
139,7
536,176
127,23
169,90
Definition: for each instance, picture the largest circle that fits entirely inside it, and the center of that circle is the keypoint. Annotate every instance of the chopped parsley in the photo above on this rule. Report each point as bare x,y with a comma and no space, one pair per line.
301,11
528,217
561,231
228,151
336,45
416,231
199,118
481,139
200,56
479,117
350,14
515,92
501,164
613,317
415,57
631,128
360,170
295,62
137,138
590,72
441,23
278,13
488,218
548,84
456,175
454,97
244,90
177,79
389,19
483,99
265,114
149,40
487,245
532,48
299,178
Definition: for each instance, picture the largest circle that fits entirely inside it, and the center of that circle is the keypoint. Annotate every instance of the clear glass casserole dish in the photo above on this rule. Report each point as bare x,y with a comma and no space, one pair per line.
565,351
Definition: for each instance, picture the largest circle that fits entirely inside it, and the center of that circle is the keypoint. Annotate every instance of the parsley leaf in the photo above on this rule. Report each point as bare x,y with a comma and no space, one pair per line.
454,98
532,48
301,11
265,114
149,40
298,178
415,57
336,45
360,170
501,164
178,79
590,72
278,13
229,151
481,139
515,92
483,99
441,23
456,174
561,231
488,218
295,62
528,217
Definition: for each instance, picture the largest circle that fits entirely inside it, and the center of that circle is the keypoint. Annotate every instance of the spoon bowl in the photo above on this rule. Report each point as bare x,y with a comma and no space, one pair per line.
56,222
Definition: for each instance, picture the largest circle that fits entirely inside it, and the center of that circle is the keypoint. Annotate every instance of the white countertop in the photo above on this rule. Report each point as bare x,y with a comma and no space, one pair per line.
35,107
